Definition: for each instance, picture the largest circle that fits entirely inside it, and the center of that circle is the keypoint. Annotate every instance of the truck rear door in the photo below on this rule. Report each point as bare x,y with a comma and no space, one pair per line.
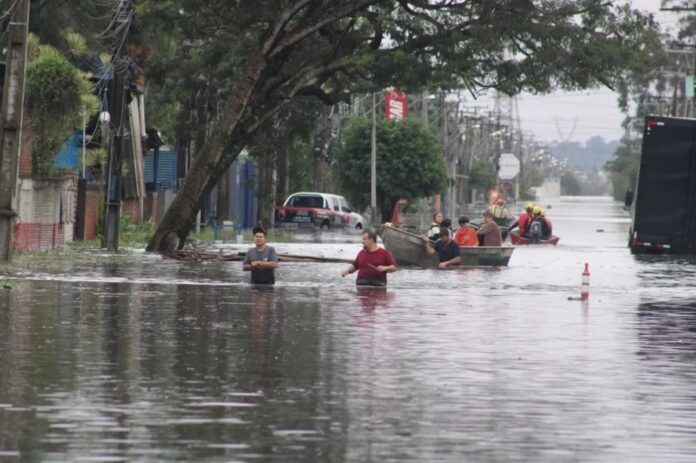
665,196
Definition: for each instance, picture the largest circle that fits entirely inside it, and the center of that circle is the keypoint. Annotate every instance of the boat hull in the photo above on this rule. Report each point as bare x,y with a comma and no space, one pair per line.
517,239
408,249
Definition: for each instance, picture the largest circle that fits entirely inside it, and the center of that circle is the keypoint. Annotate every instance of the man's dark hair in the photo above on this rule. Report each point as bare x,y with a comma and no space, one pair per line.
371,234
447,222
259,230
444,231
487,214
463,220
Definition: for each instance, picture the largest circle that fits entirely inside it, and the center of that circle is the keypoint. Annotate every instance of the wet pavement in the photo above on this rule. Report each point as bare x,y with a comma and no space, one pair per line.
130,357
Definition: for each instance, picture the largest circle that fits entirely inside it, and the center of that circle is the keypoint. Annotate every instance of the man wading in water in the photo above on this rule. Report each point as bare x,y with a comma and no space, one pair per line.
261,260
372,263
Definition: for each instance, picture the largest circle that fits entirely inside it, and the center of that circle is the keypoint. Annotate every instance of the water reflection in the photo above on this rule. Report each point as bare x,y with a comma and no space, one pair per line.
373,298
132,358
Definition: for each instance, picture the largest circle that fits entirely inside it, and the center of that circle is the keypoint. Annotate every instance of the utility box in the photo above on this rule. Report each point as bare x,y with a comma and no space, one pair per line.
664,208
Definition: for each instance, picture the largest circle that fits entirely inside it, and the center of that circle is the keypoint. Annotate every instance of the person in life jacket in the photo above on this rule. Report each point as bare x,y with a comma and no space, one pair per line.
540,227
525,219
501,214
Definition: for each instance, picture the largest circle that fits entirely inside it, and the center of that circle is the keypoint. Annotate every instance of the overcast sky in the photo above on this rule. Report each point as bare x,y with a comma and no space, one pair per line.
577,116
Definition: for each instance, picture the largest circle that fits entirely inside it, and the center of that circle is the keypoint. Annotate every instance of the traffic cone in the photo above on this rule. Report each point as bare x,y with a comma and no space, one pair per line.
585,289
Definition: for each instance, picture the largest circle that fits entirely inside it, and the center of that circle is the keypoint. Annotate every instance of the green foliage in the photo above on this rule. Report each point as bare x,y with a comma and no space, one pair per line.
56,92
482,177
409,163
77,45
623,168
570,185
131,234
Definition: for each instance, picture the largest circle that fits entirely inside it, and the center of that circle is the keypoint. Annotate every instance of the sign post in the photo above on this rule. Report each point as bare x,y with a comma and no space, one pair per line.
508,170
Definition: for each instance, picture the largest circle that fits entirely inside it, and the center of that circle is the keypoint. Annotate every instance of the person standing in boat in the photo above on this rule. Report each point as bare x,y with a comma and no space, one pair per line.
372,263
434,230
465,234
261,260
501,214
489,232
446,248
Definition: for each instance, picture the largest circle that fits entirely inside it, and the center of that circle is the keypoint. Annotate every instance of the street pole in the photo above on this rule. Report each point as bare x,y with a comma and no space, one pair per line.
11,113
373,163
84,140
119,118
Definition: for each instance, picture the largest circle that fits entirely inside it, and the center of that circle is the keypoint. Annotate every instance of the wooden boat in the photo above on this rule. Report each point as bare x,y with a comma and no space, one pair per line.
409,249
516,239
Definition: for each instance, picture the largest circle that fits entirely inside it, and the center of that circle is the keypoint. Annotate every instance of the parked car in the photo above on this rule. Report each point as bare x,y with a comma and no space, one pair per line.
317,210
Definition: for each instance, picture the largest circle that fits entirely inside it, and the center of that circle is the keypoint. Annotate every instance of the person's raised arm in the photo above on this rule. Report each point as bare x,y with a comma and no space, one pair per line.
428,247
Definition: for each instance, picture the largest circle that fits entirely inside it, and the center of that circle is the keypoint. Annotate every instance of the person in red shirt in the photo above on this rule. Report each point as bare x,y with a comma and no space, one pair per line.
525,219
465,234
372,263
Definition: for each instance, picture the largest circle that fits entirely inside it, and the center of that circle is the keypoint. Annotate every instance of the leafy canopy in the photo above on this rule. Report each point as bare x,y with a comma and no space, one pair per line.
410,164
242,64
56,93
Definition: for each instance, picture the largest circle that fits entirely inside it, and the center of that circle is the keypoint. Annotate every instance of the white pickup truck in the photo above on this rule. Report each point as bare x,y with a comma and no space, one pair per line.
317,210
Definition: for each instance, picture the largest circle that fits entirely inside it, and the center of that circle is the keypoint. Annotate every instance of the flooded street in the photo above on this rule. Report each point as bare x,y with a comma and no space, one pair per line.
131,357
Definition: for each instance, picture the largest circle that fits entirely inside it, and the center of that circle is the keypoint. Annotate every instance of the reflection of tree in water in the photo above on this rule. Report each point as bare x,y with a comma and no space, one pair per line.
263,344
668,330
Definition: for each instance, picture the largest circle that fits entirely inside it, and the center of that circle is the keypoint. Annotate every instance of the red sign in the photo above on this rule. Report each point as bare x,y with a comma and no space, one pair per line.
397,106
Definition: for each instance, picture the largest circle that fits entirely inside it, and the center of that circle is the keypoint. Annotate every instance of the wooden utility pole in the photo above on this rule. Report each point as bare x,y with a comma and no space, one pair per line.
11,114
119,119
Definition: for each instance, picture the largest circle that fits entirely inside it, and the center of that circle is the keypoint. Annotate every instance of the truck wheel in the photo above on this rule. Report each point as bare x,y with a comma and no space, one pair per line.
325,225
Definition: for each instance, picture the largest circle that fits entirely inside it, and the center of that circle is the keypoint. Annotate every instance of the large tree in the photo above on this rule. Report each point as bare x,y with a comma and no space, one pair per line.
411,165
269,54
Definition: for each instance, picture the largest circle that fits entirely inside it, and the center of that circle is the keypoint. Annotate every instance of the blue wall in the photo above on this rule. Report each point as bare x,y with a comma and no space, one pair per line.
70,156
166,172
242,194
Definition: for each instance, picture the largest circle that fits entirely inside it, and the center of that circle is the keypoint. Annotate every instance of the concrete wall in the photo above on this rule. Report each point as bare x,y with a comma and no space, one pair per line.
46,213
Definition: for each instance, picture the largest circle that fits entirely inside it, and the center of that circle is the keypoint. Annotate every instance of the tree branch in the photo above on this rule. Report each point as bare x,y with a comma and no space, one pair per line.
332,15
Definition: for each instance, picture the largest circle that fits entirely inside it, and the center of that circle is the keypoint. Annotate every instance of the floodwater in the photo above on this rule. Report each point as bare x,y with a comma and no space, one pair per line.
130,357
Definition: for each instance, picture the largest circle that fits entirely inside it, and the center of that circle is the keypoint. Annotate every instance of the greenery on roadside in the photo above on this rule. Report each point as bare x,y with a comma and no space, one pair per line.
56,94
481,177
410,164
133,235
623,169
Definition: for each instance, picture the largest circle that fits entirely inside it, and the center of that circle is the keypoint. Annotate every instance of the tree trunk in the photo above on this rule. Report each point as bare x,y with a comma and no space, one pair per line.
210,164
283,169
266,195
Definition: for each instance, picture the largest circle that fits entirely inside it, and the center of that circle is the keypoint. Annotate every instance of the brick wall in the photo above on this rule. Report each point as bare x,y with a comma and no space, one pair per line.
131,207
46,210
27,147
93,205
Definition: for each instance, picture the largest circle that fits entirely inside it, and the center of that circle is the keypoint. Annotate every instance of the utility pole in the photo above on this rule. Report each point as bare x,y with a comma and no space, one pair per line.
373,163
11,114
119,118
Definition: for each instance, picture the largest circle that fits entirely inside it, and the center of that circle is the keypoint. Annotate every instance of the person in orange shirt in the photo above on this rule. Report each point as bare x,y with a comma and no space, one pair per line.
465,235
